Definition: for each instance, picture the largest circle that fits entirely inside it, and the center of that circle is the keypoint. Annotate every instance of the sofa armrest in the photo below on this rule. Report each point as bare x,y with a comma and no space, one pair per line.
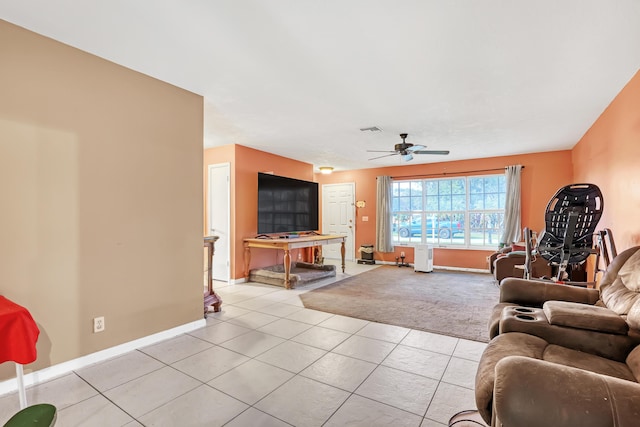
534,321
496,254
532,392
516,254
585,316
537,292
503,267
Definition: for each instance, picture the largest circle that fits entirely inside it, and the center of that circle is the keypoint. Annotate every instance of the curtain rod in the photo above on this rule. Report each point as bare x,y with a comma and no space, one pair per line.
450,173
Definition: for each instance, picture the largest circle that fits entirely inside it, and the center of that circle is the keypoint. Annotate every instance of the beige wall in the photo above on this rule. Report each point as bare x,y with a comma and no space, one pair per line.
101,189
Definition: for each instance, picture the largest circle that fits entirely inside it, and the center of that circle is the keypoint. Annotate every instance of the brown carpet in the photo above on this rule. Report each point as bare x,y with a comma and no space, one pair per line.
446,302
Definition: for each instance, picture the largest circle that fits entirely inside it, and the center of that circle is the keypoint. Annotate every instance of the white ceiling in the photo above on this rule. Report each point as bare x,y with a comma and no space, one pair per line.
299,78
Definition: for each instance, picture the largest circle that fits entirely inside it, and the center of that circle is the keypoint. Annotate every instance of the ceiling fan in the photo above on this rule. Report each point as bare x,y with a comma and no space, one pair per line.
407,150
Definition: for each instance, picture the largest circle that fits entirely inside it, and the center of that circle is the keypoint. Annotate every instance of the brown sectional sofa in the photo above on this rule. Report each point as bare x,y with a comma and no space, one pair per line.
508,262
563,355
530,392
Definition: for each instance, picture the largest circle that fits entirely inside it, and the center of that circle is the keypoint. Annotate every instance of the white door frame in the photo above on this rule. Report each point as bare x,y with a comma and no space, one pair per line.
218,204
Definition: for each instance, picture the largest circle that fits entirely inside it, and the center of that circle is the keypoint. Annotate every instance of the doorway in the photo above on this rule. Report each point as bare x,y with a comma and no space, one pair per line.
338,217
218,218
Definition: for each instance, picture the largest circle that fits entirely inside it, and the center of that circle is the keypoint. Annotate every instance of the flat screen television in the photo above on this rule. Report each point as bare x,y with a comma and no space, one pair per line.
286,205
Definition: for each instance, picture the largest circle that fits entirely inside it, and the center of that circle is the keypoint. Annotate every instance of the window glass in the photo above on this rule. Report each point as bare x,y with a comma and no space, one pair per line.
461,211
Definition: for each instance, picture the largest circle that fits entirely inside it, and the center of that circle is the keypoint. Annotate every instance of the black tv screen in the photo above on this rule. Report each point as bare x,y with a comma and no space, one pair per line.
286,205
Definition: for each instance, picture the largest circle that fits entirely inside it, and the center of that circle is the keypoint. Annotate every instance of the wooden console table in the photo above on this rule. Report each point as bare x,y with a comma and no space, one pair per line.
210,297
286,245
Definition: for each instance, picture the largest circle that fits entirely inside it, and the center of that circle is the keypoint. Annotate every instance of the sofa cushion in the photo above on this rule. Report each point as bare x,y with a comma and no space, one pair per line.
494,320
630,272
583,316
588,362
633,362
511,344
618,297
534,393
518,247
516,254
523,349
611,273
633,317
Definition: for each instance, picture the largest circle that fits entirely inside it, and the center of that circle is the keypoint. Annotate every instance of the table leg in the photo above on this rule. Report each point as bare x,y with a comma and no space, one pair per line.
22,395
214,300
210,297
287,269
210,267
342,254
247,261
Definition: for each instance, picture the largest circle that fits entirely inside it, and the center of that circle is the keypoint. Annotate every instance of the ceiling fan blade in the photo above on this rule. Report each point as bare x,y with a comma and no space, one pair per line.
386,155
416,148
380,151
443,152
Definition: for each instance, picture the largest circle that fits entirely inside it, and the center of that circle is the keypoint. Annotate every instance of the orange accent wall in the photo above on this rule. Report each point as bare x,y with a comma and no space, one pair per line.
245,165
608,155
543,175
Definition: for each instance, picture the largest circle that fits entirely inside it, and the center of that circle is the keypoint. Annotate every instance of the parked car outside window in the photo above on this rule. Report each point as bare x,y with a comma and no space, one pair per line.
442,229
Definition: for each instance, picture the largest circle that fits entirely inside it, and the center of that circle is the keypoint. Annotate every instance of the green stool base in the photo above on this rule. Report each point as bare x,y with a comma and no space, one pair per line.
41,415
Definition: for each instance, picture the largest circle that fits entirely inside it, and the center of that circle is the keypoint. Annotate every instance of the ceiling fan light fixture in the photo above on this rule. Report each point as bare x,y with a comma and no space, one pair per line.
406,150
325,170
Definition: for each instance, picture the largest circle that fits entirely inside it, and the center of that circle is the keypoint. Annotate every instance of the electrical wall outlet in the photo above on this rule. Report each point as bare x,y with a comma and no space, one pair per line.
98,324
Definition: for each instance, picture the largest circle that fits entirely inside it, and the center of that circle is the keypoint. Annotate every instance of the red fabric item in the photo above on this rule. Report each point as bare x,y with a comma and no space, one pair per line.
515,247
18,333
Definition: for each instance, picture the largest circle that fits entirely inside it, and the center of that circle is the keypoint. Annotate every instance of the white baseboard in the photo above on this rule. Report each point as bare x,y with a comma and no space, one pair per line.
468,270
444,267
63,368
385,262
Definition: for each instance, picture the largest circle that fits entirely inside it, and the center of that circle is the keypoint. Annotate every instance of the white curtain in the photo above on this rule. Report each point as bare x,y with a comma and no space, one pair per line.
383,215
512,225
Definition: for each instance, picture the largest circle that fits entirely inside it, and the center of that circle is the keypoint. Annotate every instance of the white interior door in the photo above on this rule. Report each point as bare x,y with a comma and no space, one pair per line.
338,217
218,218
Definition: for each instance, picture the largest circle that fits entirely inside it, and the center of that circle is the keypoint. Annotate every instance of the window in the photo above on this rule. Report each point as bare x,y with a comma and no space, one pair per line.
454,212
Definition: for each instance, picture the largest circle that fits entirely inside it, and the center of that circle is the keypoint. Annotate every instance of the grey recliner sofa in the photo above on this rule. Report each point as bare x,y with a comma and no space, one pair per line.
563,355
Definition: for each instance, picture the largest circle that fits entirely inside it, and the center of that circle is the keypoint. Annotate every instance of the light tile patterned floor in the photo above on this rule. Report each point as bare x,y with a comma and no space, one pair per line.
265,360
